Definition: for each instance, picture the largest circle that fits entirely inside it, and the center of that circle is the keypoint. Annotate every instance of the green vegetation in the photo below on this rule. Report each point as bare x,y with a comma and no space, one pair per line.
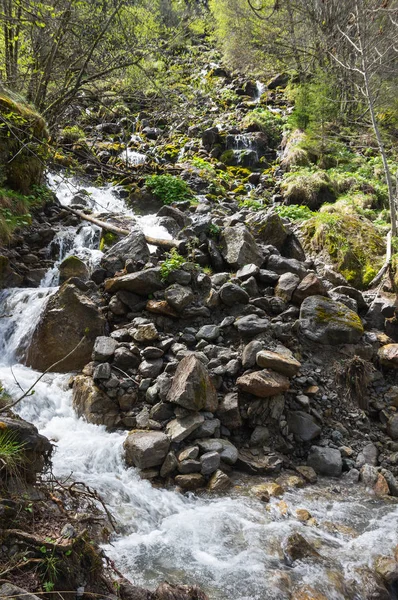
11,453
262,119
168,189
173,262
295,212
15,209
72,134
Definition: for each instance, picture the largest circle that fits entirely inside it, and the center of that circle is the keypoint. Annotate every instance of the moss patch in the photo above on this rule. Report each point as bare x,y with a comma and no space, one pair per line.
350,242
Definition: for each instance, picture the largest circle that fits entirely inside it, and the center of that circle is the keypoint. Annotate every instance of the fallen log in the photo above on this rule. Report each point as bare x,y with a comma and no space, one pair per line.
181,245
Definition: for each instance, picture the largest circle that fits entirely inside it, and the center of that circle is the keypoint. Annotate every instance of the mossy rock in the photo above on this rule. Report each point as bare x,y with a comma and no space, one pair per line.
351,243
73,266
310,189
326,321
228,157
23,143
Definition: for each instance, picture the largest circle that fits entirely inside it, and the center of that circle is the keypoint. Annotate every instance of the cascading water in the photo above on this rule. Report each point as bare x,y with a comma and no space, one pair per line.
230,545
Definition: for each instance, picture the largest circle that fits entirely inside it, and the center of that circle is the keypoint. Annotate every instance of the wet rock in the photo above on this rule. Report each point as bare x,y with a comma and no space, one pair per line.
303,426
281,362
295,547
104,348
167,591
192,387
239,248
102,371
219,482
229,453
381,486
260,436
145,449
388,356
190,482
325,461
210,333
124,359
328,322
181,428
231,294
69,316
228,411
169,466
210,137
178,296
372,585
72,266
270,488
9,590
311,285
387,568
93,404
189,466
308,473
263,384
367,456
258,465
142,283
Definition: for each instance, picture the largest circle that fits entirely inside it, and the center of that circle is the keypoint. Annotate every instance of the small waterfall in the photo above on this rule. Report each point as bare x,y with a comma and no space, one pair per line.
260,89
133,158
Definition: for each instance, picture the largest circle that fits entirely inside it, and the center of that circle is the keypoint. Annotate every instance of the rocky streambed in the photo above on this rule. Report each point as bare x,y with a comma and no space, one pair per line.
244,384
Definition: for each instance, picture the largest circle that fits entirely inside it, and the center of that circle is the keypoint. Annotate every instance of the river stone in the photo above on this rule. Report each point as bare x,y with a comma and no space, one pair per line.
268,227
219,482
73,266
238,247
210,461
248,271
367,456
388,356
133,247
179,429
387,568
286,286
229,453
169,466
311,285
263,384
93,404
190,482
328,322
281,265
68,316
144,449
251,325
142,283
189,466
178,296
228,411
231,294
192,387
295,547
325,461
250,352
303,426
210,333
144,332
104,348
190,452
283,363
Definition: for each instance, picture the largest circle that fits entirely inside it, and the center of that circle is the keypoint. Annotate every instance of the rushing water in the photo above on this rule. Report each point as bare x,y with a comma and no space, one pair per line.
230,545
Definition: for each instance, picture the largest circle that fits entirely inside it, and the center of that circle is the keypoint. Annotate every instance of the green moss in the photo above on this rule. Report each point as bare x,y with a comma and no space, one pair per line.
309,188
108,239
72,134
227,157
344,317
352,243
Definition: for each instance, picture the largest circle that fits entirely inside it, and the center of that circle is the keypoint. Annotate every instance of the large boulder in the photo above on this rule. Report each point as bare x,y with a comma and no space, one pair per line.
267,227
73,266
69,316
133,247
142,283
303,426
325,461
192,387
263,384
35,448
329,322
239,248
145,449
93,404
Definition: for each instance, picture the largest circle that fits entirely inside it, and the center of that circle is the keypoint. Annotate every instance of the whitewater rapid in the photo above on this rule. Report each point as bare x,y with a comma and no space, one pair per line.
230,545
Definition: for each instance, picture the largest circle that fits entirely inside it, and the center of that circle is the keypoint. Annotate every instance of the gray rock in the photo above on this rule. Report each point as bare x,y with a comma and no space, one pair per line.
179,429
93,404
367,456
190,452
192,387
207,429
189,466
268,227
133,247
247,271
392,427
303,426
169,466
102,371
328,322
281,265
282,362
251,325
229,453
239,248
151,368
125,359
311,285
142,283
145,449
250,352
178,296
260,436
210,461
9,590
209,333
268,277
228,411
219,482
232,294
325,461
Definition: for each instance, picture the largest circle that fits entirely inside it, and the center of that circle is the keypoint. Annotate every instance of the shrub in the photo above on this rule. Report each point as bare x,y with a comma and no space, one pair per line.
294,212
264,120
168,188
173,262
72,134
